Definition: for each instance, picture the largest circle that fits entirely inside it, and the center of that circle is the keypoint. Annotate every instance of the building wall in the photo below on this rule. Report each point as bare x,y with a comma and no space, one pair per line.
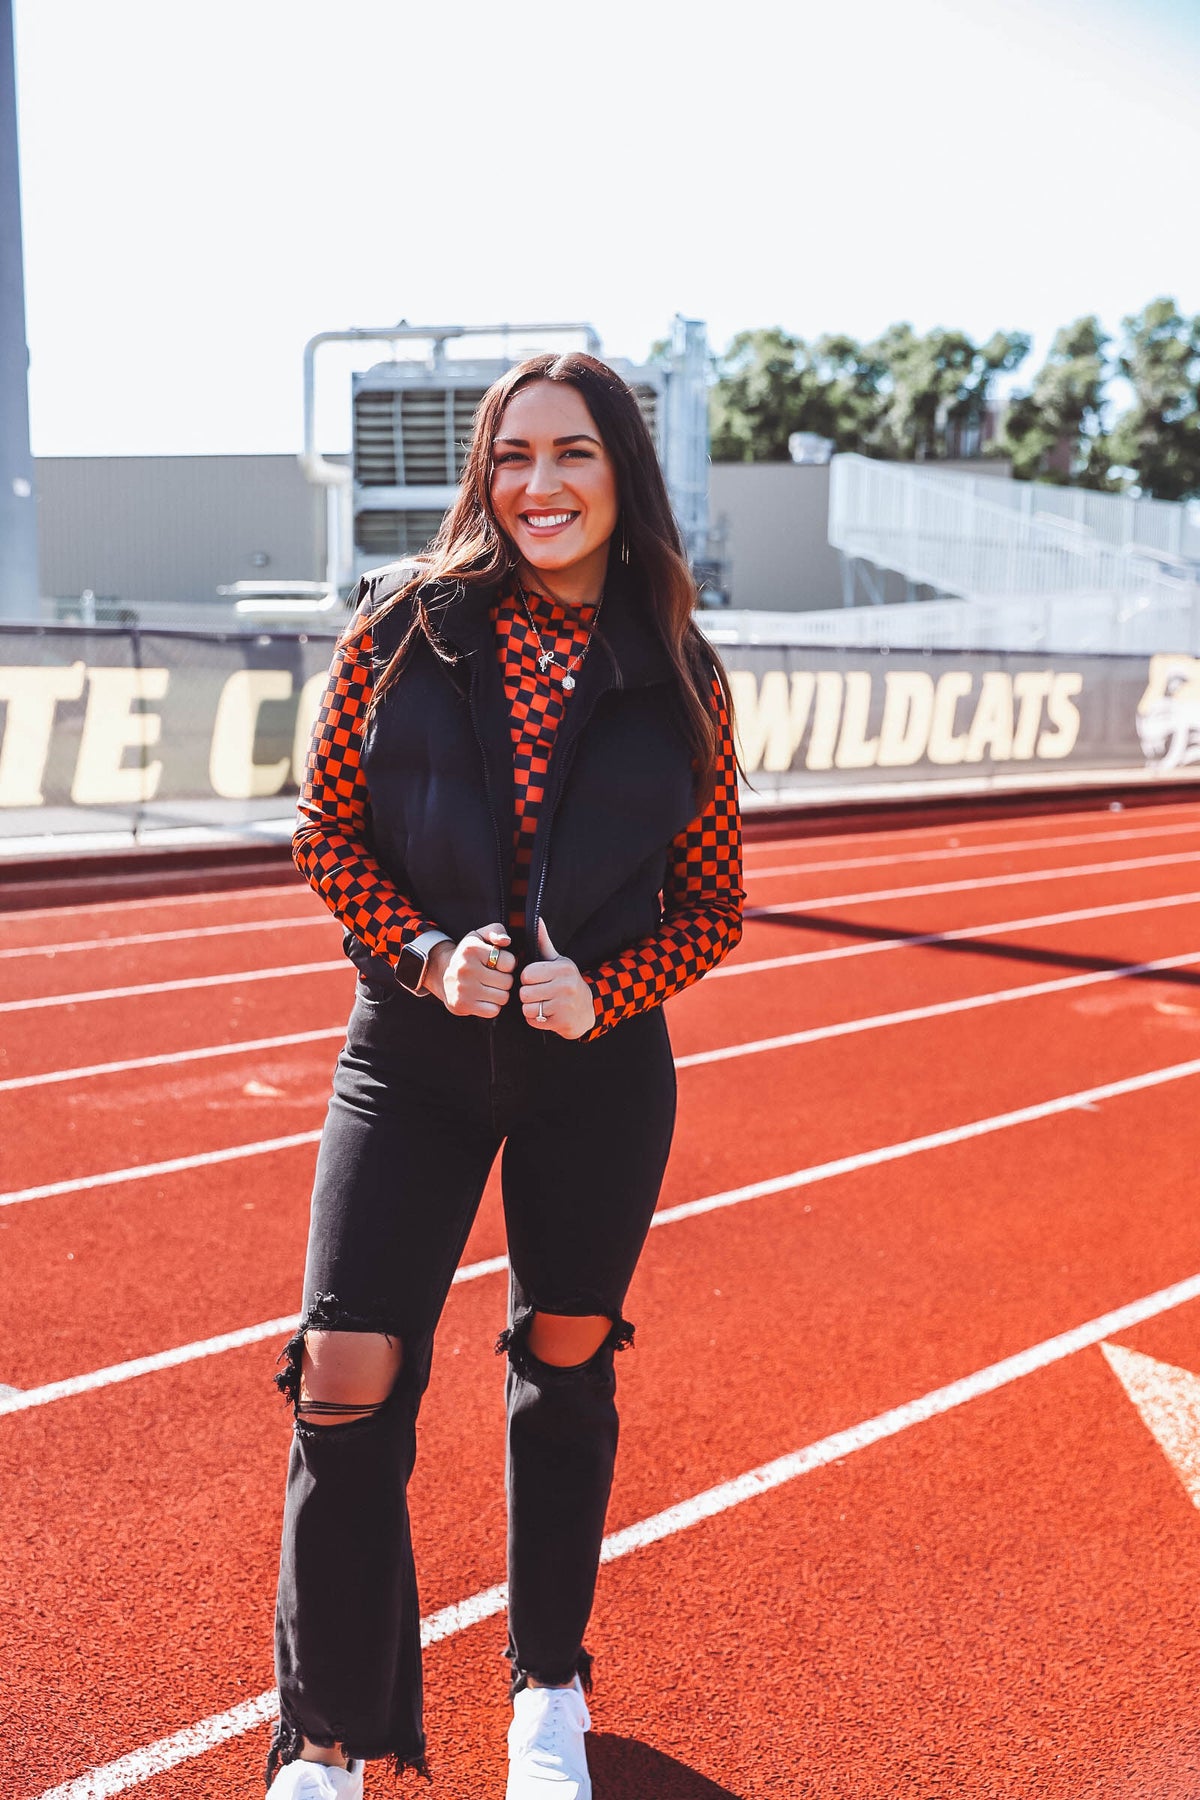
152,529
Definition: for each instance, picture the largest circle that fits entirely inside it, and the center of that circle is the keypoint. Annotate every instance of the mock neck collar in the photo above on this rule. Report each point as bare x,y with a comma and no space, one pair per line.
460,614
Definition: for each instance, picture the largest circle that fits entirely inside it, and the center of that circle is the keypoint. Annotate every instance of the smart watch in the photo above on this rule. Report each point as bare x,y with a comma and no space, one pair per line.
410,966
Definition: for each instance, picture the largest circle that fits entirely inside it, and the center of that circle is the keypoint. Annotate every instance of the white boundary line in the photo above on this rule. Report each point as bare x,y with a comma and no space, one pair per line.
155,1759
167,1058
170,1057
324,918
167,937
24,1400
937,1009
173,987
960,933
953,852
818,902
967,827
816,1034
821,901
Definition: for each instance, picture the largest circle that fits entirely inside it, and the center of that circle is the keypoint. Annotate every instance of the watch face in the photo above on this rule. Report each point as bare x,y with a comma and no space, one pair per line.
410,968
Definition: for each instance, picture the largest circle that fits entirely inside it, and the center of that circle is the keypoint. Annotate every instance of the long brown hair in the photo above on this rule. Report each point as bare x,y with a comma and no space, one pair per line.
472,551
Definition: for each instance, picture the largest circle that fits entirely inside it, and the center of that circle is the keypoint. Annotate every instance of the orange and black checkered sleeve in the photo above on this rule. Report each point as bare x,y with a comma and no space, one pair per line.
331,845
702,904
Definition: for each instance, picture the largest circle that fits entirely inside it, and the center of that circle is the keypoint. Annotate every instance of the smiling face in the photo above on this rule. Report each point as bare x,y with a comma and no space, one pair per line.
554,488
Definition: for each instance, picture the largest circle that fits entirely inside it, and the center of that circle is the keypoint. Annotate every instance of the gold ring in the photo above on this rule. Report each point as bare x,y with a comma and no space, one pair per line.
493,956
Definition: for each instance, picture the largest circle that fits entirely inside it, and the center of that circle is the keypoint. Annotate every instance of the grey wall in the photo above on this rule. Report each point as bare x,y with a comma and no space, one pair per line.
155,529
174,528
774,516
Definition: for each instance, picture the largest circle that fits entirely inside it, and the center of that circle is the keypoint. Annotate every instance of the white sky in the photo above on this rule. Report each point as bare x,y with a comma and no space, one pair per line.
206,186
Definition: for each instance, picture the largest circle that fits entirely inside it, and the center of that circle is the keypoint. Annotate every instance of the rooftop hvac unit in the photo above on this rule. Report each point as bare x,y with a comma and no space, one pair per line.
412,422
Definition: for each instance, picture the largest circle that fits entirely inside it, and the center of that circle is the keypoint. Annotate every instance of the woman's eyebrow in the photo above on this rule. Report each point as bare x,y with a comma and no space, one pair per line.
578,437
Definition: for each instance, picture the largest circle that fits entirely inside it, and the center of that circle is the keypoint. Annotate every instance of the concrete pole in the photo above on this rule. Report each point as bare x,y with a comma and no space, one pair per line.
18,516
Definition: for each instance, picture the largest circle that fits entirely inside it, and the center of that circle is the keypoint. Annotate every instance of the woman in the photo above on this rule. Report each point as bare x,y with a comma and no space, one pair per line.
521,801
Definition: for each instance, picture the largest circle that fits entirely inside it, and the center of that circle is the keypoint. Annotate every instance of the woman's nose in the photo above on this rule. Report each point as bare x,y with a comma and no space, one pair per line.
542,482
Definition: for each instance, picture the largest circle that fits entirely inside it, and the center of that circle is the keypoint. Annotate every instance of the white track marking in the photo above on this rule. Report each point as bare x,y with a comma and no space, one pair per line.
174,1165
169,937
130,1771
822,901
814,1035
15,1400
210,897
314,920
170,1057
818,901
671,1215
959,934
173,987
938,1009
955,852
966,827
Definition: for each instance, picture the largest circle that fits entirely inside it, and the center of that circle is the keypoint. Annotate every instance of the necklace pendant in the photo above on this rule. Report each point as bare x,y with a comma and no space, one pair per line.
545,660
568,682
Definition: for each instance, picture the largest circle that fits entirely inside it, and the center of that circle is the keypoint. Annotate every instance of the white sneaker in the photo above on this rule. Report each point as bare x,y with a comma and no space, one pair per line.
316,1781
546,1755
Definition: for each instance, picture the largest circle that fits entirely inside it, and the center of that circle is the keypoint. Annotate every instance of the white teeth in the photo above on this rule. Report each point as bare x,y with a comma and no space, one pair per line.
545,521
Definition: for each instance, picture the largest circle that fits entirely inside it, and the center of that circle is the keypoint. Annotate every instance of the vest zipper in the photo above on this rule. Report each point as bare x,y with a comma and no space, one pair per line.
502,914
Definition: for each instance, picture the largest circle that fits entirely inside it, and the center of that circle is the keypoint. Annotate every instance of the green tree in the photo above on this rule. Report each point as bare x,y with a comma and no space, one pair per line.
1054,432
1158,436
937,389
757,397
901,396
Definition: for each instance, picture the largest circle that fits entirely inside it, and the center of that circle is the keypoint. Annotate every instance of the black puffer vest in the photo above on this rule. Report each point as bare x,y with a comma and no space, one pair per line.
438,762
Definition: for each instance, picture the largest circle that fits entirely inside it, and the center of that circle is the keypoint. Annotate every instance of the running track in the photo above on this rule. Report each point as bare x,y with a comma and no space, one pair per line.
885,1523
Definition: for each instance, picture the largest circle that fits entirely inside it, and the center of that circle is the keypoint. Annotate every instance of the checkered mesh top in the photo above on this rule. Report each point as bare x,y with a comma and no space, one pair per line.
702,894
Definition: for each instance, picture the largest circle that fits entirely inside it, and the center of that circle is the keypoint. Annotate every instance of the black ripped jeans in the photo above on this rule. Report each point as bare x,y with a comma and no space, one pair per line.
422,1102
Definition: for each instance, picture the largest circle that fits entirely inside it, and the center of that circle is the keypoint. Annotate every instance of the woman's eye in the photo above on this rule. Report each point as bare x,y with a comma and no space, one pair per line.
509,456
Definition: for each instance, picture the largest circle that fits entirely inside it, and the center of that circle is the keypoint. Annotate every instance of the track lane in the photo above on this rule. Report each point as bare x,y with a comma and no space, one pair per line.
68,1258
693,1413
76,1129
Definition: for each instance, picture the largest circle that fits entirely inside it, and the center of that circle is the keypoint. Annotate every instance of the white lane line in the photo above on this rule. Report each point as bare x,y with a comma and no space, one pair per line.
819,902
670,1215
165,902
173,1166
310,922
955,852
139,1766
938,1009
15,1400
822,901
958,934
172,987
169,1058
167,937
907,834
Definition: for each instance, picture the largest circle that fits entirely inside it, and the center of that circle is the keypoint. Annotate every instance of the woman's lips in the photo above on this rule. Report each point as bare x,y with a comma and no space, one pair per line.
547,524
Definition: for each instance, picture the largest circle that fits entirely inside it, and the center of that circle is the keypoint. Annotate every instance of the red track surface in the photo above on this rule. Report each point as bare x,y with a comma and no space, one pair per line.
995,1601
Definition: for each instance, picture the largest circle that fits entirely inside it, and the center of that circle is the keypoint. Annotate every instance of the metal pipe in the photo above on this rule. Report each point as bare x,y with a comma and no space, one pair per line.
18,515
338,477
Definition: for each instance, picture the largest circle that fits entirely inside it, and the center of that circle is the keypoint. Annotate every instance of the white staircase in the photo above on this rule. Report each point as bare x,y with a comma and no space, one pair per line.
1014,565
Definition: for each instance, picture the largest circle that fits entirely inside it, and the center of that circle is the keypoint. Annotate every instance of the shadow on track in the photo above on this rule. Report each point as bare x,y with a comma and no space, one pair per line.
625,1769
970,946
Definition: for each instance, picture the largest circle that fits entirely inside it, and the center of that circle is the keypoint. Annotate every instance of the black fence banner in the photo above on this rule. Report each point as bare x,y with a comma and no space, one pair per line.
104,729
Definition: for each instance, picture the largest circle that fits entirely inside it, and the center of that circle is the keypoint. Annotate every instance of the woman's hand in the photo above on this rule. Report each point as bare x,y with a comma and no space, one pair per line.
559,989
460,977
